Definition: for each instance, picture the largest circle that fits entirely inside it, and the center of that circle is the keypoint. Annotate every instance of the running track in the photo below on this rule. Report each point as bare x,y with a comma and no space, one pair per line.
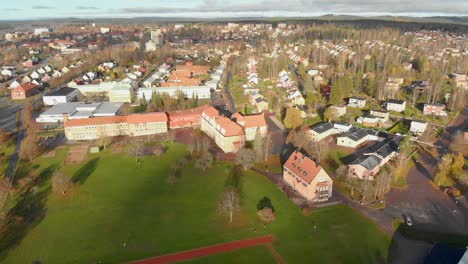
206,251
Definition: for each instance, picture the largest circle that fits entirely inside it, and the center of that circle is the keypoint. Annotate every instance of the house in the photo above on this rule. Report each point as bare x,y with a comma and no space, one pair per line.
461,80
434,109
341,127
321,131
111,126
395,105
8,72
307,178
357,136
61,95
24,90
376,118
418,127
357,102
368,164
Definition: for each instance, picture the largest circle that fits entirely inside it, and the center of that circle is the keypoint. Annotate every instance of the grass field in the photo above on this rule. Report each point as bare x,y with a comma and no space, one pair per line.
258,254
118,202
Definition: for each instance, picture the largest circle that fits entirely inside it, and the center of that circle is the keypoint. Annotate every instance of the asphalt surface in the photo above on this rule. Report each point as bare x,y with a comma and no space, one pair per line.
8,114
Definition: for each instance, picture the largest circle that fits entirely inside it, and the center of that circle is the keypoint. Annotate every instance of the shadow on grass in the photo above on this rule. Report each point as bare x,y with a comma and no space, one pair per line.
27,213
83,173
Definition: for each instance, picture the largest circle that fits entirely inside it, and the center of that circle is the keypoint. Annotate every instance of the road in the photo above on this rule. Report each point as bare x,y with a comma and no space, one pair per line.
232,104
10,172
425,202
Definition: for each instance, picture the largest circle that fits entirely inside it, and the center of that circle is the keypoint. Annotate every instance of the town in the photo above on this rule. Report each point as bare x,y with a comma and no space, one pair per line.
233,142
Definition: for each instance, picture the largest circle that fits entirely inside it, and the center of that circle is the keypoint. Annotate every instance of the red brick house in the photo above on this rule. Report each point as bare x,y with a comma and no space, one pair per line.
308,178
23,91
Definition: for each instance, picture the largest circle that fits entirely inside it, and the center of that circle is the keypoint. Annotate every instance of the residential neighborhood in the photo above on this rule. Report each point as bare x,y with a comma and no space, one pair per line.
229,132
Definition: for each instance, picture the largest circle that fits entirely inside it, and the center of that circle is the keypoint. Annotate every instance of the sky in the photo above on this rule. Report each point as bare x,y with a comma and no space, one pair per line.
40,9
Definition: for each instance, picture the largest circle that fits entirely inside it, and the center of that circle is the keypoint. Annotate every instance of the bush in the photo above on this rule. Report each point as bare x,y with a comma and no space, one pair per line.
265,202
266,215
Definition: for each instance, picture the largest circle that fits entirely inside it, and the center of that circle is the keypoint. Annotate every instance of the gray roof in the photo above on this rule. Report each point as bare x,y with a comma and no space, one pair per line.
357,134
81,109
322,127
385,148
368,162
61,92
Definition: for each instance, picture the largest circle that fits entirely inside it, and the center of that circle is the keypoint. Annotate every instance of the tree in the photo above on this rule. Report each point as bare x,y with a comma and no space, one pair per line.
293,118
29,147
205,161
104,140
4,136
61,183
265,202
330,114
258,146
229,203
136,151
246,158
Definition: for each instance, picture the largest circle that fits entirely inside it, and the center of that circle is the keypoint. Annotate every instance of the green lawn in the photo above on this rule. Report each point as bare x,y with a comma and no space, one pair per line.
120,202
6,150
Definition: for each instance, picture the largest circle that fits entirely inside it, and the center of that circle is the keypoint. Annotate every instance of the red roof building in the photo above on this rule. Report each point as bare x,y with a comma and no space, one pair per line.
23,91
307,177
186,118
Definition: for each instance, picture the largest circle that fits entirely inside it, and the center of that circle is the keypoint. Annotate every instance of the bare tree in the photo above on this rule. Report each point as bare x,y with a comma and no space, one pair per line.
205,161
29,147
136,150
229,203
246,158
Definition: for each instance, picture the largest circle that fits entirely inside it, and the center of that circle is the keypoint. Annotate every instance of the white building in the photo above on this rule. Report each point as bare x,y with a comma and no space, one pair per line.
62,95
356,102
395,105
418,127
75,110
116,91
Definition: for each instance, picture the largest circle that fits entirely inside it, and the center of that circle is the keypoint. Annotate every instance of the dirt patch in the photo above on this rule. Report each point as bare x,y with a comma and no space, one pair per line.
117,148
77,154
49,154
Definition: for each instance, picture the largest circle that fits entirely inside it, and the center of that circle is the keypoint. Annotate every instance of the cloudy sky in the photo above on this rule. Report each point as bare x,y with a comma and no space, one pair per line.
34,9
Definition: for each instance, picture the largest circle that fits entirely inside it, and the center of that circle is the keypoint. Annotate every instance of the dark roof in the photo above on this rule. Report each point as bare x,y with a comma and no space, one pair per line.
368,162
357,98
322,127
384,148
61,91
356,133
393,101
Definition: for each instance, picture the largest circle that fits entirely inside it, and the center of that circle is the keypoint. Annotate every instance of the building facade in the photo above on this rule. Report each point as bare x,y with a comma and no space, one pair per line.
307,178
111,126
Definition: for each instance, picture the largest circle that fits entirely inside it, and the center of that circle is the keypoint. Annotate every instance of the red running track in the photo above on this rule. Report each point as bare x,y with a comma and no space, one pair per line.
206,251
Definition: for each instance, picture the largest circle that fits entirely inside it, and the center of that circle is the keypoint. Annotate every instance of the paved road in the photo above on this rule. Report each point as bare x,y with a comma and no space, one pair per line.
206,251
10,172
232,104
426,203
8,114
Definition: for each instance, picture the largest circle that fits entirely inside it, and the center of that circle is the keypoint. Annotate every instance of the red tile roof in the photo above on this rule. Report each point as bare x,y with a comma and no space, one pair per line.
302,166
230,127
250,121
26,86
147,118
